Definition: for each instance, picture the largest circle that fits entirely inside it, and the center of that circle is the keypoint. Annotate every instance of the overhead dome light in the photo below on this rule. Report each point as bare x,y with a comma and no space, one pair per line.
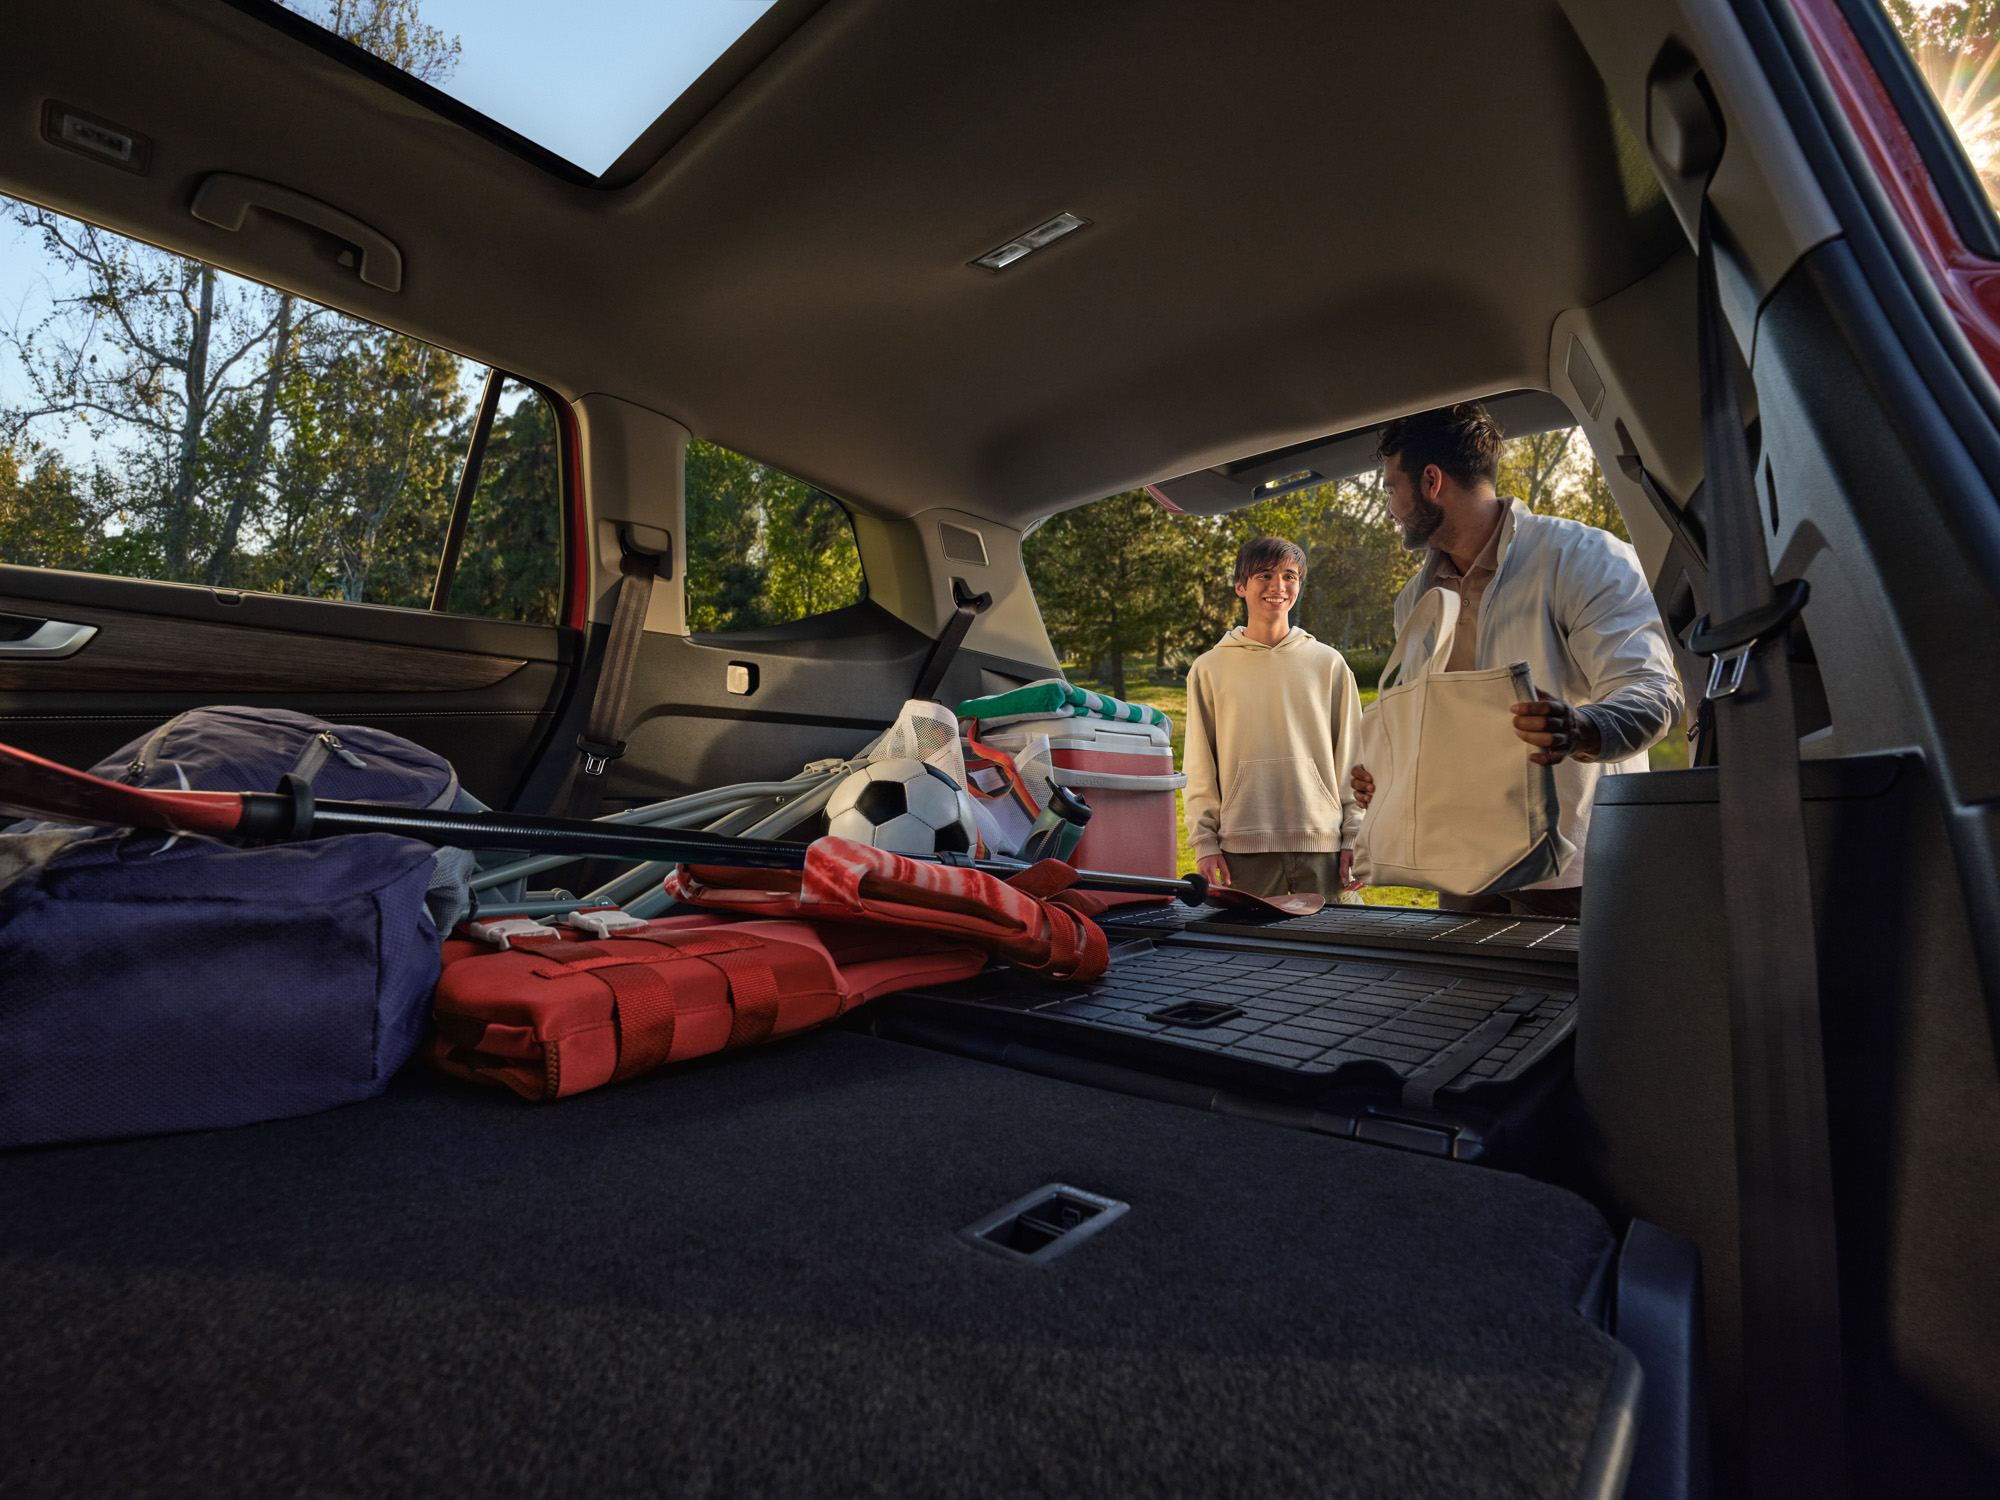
1026,244
1297,480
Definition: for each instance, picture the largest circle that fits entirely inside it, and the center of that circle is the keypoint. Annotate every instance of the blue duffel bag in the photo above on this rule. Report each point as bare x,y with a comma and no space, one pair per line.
151,982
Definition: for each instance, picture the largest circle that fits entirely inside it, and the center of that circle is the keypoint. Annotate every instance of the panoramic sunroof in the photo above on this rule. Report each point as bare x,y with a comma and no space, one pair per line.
580,81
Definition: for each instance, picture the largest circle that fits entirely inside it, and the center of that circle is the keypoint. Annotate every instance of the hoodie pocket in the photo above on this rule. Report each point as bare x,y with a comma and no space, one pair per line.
1274,797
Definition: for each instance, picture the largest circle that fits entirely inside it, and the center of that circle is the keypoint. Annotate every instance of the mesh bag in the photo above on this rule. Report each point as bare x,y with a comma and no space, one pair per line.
927,732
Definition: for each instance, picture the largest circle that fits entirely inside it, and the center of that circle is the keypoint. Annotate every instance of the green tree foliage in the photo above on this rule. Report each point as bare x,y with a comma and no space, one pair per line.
1956,44
1555,474
244,437
1114,578
52,519
763,548
510,567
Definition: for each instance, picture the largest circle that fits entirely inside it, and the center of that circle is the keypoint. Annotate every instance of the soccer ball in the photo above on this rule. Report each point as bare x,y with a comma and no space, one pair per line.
906,806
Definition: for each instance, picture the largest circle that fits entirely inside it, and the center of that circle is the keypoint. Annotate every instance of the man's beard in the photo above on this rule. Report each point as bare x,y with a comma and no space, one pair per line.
1422,526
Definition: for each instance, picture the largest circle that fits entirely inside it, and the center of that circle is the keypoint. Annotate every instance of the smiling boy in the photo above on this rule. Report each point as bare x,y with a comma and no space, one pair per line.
1273,726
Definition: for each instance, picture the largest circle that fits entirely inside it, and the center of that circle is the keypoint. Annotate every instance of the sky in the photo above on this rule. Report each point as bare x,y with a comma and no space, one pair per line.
588,85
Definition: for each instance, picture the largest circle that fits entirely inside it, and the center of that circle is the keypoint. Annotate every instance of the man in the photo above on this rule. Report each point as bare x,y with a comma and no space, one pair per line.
1568,599
1273,724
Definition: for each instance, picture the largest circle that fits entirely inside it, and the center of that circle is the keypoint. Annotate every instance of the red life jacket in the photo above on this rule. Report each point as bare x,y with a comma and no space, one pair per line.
558,1011
1031,920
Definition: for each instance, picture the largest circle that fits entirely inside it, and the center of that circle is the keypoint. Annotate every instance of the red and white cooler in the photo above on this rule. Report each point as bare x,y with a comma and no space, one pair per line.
1126,773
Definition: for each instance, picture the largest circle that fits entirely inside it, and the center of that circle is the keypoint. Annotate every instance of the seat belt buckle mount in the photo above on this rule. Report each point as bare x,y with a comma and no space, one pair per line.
597,755
1730,645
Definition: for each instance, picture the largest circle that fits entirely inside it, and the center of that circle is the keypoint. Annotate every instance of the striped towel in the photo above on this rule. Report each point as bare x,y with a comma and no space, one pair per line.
1052,698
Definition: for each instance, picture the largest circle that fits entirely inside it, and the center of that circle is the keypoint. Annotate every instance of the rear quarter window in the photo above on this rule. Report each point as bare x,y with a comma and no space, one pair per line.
763,548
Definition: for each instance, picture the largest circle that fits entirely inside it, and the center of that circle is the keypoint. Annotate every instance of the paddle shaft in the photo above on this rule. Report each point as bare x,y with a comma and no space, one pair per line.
39,788
293,813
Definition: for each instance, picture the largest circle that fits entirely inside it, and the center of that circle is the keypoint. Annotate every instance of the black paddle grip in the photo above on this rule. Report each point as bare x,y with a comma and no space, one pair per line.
278,817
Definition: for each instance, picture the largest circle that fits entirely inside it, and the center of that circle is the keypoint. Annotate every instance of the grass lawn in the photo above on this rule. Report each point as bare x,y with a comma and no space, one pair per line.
1172,701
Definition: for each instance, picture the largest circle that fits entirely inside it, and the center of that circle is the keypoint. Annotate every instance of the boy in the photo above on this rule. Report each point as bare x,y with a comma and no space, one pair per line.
1273,726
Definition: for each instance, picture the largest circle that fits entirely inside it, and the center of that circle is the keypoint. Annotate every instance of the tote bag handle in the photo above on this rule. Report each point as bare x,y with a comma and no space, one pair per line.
1441,604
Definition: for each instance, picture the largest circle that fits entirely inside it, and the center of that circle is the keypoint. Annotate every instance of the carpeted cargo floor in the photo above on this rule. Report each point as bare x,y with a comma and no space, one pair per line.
745,1278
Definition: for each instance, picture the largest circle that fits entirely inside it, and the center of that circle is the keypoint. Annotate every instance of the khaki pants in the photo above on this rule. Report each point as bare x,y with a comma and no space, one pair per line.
1282,874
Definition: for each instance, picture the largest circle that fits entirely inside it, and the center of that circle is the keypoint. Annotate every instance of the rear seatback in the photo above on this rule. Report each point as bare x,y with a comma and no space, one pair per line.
747,1276
1442,1032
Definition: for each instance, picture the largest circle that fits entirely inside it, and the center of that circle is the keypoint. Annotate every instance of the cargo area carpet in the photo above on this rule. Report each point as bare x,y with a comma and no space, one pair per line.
745,1277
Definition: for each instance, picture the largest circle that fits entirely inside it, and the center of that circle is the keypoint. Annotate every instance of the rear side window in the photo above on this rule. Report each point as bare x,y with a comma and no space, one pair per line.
763,548
162,419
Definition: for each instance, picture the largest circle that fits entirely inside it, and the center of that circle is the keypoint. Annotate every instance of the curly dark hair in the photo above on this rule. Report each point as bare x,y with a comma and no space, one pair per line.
1462,440
1267,552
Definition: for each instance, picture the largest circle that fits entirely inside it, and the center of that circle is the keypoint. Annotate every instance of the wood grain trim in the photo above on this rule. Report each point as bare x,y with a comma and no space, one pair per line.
137,653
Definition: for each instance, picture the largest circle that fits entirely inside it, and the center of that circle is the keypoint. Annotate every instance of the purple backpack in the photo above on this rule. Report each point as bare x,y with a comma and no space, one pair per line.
156,983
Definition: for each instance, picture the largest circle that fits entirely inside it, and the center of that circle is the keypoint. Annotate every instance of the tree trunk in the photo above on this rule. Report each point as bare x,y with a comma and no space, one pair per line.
259,457
194,417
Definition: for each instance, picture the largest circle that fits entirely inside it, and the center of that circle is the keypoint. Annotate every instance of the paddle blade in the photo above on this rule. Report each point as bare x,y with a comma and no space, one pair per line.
37,788
1298,904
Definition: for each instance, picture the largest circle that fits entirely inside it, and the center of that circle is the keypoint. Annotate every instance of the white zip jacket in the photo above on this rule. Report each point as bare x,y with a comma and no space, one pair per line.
1272,732
1571,601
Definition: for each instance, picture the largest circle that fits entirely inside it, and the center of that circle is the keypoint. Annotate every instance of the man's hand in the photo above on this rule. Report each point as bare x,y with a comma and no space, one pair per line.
1557,728
1213,868
1363,784
1347,880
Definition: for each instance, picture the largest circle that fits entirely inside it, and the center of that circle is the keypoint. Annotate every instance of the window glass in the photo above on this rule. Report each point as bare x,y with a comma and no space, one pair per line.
763,548
162,419
1956,44
510,564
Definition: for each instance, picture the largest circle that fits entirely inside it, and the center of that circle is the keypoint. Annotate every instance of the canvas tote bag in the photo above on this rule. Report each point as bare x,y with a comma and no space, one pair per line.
1458,805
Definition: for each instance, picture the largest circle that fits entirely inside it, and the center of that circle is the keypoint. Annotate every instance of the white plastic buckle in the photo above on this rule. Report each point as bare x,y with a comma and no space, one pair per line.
502,931
1737,660
603,922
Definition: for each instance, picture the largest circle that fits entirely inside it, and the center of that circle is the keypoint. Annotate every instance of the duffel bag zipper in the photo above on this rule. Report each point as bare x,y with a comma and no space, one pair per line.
317,749
140,764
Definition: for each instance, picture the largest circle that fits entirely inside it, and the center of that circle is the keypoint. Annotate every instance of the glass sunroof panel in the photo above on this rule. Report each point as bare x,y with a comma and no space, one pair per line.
582,79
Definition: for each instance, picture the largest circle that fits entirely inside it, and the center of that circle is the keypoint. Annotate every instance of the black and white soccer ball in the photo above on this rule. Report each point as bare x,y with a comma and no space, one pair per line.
906,806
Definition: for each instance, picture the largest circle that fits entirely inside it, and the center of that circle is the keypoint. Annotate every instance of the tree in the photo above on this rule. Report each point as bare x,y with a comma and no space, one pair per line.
1555,475
1107,577
1956,44
191,376
510,567
762,547
48,518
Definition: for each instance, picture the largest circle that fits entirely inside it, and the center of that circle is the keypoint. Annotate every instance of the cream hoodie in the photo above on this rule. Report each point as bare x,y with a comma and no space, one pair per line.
1272,732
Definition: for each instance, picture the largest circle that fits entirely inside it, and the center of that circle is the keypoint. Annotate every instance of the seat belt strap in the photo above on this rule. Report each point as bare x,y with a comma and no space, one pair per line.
599,744
1790,1275
930,677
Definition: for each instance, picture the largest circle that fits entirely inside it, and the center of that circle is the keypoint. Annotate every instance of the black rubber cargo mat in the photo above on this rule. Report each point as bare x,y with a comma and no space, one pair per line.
1552,939
746,1277
1293,1021
1155,919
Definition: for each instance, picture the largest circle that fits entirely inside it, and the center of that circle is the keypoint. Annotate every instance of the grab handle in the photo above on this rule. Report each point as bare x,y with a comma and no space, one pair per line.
224,198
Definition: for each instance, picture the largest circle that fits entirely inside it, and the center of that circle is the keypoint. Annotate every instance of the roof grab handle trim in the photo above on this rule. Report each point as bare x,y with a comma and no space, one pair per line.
225,198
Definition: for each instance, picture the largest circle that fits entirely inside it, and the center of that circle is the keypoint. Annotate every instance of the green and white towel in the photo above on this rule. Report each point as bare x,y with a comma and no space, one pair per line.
1052,698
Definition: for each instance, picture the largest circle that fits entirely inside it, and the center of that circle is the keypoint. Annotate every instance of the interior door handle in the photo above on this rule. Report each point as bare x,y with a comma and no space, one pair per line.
225,197
50,641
